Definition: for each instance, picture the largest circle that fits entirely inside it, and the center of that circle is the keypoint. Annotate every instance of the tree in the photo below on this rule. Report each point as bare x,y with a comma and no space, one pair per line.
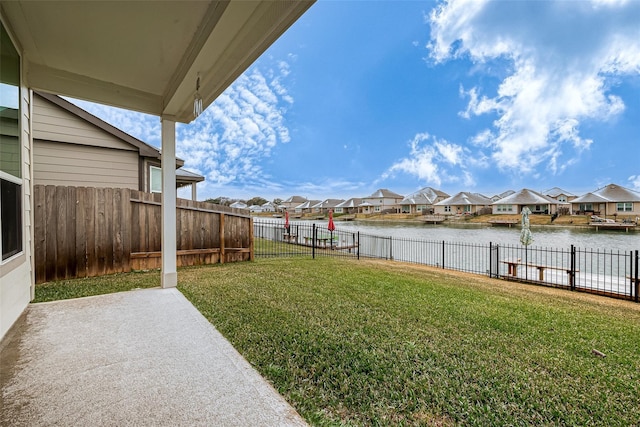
277,202
224,201
256,201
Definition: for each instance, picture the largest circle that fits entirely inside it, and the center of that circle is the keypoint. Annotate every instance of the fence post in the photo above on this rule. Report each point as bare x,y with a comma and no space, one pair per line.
252,256
490,259
313,242
391,248
358,247
572,271
221,227
443,243
636,279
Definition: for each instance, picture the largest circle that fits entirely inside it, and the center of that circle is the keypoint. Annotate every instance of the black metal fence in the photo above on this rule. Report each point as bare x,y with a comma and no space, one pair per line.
611,273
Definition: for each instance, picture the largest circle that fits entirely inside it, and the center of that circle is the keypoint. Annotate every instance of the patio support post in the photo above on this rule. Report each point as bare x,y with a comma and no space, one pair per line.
169,275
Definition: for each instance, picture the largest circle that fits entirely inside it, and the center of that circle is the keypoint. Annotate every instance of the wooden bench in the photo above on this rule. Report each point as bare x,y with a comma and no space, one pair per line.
291,238
512,268
321,242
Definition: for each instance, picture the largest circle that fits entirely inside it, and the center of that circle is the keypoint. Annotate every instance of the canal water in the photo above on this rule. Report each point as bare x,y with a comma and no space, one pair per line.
543,236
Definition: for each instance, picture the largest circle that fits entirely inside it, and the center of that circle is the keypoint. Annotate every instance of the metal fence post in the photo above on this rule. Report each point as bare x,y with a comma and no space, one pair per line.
313,242
637,281
391,248
490,260
358,247
572,268
443,243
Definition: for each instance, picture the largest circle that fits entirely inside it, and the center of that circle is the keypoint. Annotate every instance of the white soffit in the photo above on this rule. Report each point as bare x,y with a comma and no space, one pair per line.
144,55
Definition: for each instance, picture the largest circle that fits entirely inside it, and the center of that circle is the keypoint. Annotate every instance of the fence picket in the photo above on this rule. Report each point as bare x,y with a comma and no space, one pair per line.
39,230
50,232
80,235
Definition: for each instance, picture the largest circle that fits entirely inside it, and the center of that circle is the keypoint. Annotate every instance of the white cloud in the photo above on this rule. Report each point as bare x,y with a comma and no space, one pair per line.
450,153
142,126
435,161
228,142
635,182
563,58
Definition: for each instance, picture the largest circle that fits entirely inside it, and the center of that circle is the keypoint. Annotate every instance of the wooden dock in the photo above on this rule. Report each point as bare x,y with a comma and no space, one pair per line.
433,219
613,226
503,222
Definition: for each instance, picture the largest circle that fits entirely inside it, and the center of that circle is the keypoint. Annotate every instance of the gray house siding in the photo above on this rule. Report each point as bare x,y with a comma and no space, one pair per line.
73,152
75,165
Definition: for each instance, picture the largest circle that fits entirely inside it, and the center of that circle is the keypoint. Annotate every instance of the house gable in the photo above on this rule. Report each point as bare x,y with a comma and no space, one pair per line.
74,148
51,122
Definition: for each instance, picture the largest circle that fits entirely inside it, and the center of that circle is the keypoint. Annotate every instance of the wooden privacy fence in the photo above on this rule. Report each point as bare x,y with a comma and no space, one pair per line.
84,232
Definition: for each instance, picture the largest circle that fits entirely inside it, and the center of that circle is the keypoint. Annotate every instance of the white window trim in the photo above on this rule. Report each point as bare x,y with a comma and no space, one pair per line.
21,182
151,168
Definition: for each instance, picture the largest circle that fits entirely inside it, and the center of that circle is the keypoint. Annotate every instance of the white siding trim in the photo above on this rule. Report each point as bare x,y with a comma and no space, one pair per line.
16,286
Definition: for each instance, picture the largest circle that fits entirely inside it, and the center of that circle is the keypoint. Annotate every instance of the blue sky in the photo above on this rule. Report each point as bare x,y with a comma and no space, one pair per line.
481,96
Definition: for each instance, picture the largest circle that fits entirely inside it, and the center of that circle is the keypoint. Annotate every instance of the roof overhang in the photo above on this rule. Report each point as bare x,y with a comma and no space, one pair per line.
185,177
144,55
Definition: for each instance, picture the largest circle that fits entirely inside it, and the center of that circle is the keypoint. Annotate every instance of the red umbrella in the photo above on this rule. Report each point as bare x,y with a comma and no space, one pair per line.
331,225
286,220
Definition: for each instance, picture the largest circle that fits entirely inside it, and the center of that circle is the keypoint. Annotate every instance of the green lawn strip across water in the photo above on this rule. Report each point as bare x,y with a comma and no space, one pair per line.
361,343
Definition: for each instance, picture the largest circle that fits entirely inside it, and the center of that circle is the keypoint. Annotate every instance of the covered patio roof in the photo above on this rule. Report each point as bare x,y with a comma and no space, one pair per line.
144,56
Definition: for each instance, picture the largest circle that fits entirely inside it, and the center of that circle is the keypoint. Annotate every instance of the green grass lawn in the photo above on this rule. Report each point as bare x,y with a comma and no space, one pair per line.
86,287
374,343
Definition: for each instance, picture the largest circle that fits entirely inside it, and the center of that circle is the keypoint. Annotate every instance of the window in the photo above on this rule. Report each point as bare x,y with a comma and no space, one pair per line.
466,208
447,208
155,179
562,199
11,218
625,207
586,207
10,150
376,209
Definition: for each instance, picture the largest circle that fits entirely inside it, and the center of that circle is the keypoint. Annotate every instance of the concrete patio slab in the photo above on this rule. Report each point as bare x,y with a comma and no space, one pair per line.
139,358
